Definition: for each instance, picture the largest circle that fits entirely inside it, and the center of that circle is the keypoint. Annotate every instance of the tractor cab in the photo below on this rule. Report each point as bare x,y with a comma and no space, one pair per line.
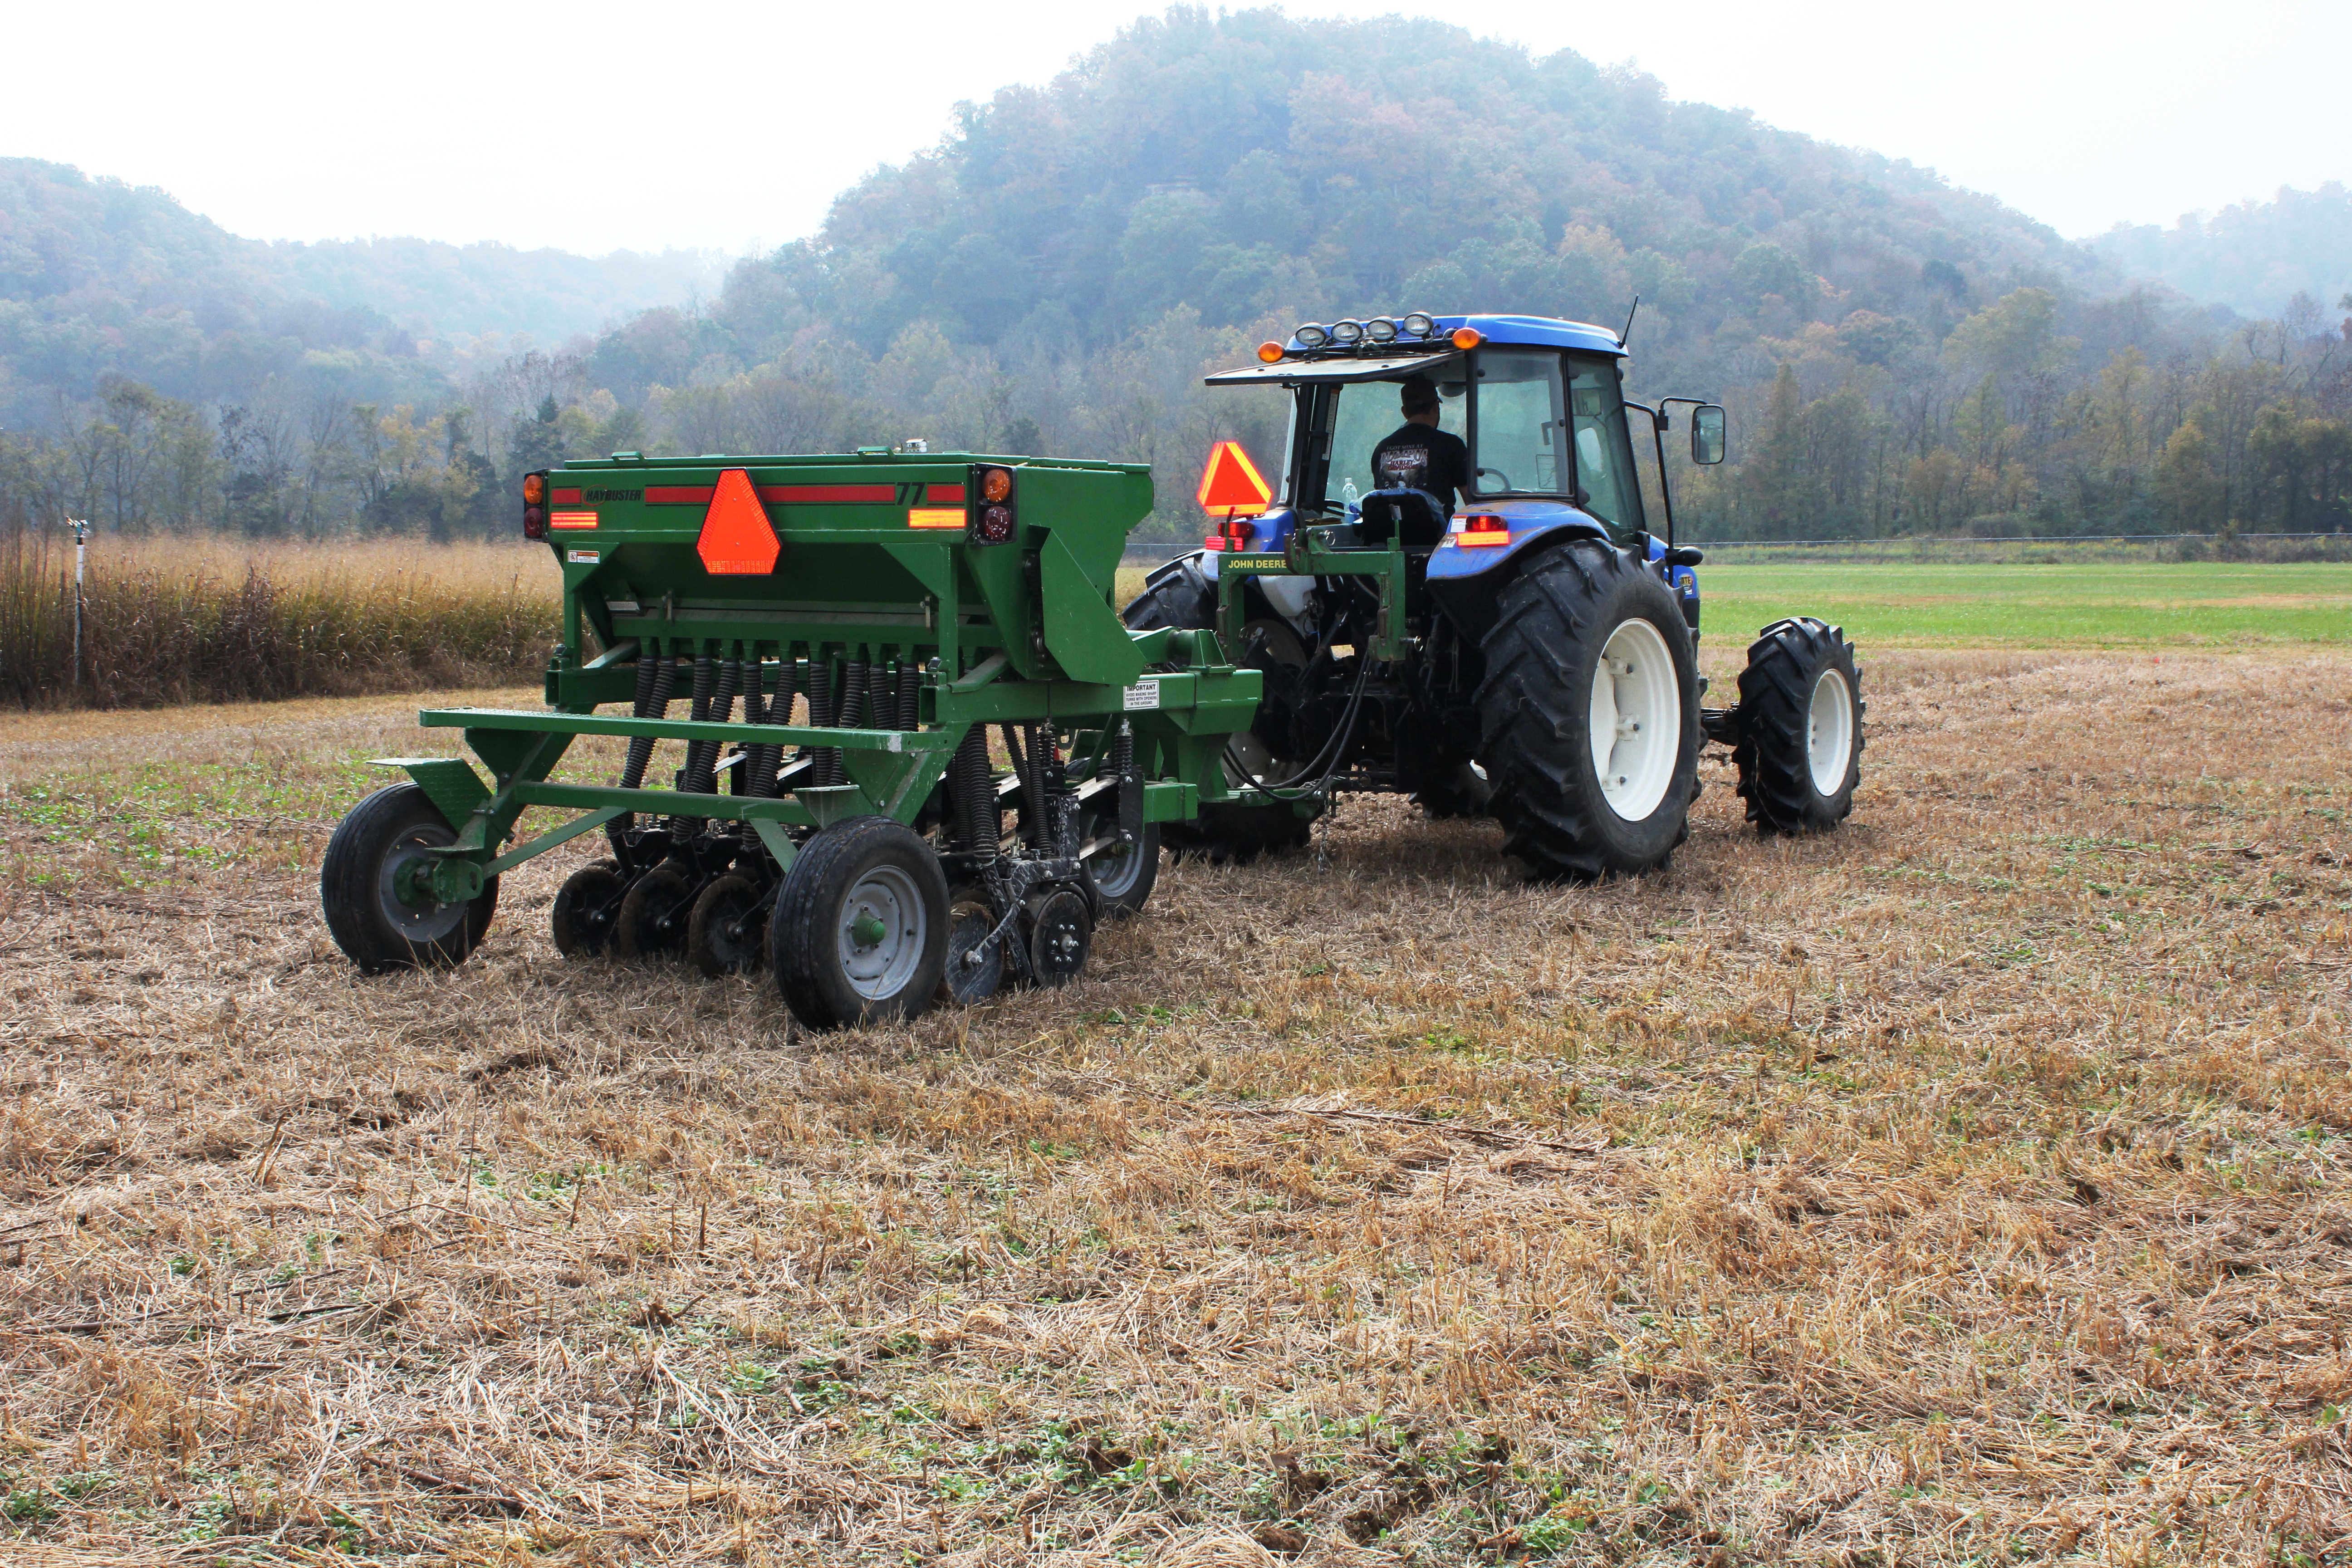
1538,404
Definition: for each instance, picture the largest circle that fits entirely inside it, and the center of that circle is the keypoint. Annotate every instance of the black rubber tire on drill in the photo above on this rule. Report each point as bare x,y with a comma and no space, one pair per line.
585,908
379,841
1123,877
1790,664
1535,707
820,900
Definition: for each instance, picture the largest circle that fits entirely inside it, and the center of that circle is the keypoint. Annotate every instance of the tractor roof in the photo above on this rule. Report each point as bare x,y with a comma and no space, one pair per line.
1538,331
1405,357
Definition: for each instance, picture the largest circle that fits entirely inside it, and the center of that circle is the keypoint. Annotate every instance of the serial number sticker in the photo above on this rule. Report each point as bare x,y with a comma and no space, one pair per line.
1140,697
584,557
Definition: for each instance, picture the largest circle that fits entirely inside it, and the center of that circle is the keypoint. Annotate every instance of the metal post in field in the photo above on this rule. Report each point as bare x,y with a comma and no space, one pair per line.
80,526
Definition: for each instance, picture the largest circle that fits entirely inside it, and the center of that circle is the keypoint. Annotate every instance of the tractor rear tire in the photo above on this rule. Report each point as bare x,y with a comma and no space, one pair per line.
859,933
1800,733
1462,791
1588,715
377,845
586,906
1225,834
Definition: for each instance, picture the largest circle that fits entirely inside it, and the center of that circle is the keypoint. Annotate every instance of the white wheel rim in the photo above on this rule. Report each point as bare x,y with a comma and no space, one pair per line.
1636,720
1829,732
879,936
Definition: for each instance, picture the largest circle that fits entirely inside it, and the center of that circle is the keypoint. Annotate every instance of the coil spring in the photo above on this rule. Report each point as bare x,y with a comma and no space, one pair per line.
972,795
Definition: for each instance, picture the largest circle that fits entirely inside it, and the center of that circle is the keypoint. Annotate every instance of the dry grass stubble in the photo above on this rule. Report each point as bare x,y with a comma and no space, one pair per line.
1966,1186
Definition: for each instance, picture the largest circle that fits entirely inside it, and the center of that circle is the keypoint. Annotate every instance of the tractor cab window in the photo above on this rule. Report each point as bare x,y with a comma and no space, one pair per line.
1520,448
1604,447
1359,416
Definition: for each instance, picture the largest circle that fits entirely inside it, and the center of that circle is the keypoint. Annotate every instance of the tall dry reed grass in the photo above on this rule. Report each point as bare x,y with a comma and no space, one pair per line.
213,620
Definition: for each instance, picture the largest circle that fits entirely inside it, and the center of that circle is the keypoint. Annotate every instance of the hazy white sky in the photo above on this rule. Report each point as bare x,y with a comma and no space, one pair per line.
595,125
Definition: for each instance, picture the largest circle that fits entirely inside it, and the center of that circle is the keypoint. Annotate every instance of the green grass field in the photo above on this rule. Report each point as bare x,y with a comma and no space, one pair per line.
2197,603
2186,604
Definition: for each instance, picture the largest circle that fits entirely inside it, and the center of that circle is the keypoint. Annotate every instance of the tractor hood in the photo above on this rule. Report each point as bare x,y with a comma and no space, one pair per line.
1295,373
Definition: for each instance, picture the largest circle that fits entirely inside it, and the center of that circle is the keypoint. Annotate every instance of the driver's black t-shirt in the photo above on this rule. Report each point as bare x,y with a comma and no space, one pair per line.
1422,458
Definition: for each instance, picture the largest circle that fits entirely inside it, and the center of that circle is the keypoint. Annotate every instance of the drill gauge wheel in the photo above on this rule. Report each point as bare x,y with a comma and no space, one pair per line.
1123,874
859,933
1061,933
585,908
653,918
726,931
369,886
975,963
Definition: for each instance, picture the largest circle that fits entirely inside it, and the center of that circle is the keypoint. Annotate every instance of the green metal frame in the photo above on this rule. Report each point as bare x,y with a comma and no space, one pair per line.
1313,552
1022,632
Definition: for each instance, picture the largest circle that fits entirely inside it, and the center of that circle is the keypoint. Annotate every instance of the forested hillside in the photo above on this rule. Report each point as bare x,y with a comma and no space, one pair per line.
1057,273
2255,257
102,279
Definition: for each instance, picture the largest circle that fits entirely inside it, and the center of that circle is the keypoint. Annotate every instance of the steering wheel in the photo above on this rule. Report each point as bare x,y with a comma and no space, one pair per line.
1500,475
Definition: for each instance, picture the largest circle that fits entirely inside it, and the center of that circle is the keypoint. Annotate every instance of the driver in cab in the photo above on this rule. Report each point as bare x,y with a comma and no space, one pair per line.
1418,455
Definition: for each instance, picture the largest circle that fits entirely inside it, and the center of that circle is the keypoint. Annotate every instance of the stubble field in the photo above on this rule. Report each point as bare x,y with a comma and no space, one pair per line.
1966,1186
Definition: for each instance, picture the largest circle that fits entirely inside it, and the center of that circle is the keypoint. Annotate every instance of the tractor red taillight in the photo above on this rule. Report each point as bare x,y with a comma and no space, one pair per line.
994,504
534,506
1482,529
1234,533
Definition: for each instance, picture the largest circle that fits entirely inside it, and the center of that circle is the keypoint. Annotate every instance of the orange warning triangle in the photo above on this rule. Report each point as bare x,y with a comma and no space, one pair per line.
737,539
1231,482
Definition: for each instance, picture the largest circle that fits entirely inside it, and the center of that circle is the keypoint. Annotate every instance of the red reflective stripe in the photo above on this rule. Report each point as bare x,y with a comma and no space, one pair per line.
790,495
831,495
565,498
944,495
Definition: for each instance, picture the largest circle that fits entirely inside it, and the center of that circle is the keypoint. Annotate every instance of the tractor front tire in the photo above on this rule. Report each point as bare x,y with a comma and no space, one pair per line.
1588,715
859,933
373,855
1800,711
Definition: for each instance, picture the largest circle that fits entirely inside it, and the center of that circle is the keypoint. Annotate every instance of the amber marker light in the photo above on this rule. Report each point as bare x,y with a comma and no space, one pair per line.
534,490
995,484
1468,337
1270,353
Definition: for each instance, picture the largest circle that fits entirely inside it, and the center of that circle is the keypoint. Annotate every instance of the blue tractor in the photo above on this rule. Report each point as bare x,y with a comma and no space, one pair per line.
1491,624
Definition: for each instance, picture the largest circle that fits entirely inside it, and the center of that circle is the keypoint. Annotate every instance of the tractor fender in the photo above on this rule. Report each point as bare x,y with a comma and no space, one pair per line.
1466,582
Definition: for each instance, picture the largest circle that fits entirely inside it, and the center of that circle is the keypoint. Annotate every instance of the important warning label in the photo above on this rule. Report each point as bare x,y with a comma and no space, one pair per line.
1141,696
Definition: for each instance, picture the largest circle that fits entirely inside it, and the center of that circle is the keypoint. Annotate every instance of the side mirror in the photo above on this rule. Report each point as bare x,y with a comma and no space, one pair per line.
1708,438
